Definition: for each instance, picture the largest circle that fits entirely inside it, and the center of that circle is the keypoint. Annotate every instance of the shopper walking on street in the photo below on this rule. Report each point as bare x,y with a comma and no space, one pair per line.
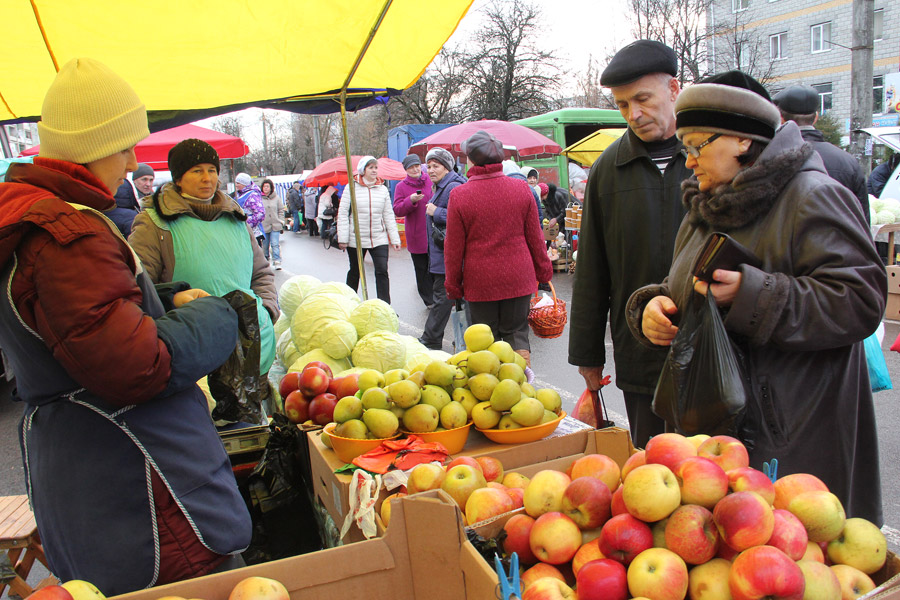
411,196
272,224
310,211
327,209
377,227
632,210
295,205
249,198
441,170
121,459
494,251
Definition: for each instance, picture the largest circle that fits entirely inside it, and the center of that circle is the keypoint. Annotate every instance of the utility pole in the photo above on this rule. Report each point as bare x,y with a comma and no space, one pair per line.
861,69
317,147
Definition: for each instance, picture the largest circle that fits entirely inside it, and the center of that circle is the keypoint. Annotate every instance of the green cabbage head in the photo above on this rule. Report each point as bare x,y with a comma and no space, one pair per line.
380,350
337,365
337,339
293,291
314,314
374,315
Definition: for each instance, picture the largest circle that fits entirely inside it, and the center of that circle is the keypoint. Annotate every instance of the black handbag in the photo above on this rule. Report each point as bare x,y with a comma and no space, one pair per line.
437,236
328,212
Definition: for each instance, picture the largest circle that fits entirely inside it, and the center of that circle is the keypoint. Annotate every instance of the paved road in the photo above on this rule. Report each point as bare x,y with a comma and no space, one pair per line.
302,254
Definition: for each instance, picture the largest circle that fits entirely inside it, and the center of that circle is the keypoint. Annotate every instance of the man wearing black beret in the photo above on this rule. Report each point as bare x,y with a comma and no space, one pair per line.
632,210
800,103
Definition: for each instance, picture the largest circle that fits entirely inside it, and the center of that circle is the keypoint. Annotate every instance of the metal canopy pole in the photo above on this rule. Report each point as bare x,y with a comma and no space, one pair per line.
343,102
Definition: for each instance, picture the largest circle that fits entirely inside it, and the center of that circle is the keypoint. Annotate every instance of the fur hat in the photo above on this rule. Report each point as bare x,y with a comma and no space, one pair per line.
411,160
731,103
90,113
482,148
442,156
143,170
638,59
189,153
243,179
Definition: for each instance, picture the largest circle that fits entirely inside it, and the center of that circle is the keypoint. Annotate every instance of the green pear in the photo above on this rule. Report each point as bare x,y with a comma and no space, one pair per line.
503,351
417,377
354,429
527,412
398,411
421,418
376,397
482,385
512,371
461,379
528,390
550,399
370,378
478,337
382,423
483,361
505,395
453,415
348,407
549,416
405,393
520,360
466,398
435,396
484,416
440,373
507,422
395,375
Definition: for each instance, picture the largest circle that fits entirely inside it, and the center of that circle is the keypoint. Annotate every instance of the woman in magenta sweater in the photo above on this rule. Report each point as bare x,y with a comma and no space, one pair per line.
410,198
494,253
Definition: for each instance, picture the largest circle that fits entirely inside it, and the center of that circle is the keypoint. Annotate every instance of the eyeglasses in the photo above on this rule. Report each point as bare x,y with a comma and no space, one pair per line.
695,150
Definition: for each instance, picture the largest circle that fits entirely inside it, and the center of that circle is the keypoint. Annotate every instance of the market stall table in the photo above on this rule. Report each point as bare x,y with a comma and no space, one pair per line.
18,535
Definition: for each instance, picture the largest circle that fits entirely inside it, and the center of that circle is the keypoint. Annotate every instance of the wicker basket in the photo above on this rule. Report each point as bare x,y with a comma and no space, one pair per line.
548,321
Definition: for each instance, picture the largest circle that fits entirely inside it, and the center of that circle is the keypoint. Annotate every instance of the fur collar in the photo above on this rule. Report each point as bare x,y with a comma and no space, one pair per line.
749,196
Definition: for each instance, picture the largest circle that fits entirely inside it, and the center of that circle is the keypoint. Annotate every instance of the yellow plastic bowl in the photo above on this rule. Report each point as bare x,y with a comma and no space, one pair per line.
349,448
523,434
452,439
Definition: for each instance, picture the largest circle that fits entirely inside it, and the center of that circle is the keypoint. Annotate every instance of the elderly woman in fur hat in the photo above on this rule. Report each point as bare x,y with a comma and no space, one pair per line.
802,315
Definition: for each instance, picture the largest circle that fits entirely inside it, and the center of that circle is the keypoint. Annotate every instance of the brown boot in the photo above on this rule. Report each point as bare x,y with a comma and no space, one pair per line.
526,354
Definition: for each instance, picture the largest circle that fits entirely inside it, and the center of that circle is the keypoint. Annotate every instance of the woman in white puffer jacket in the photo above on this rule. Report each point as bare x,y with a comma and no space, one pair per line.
377,227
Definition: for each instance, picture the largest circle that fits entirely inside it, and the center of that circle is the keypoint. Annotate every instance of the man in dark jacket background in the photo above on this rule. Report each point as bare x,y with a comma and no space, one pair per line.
800,104
295,205
632,210
128,197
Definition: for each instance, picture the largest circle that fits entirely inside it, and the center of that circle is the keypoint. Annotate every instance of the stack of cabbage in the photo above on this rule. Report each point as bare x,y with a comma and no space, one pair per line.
884,211
327,322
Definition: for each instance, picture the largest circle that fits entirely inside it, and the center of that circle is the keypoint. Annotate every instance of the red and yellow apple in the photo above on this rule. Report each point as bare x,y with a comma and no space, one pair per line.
602,579
461,481
820,512
860,544
539,571
587,502
748,479
701,481
599,466
651,492
691,534
623,537
765,572
589,551
821,582
788,534
555,538
744,520
658,574
518,533
545,491
669,449
549,588
634,461
515,480
486,503
491,468
726,451
796,483
709,581
255,588
854,583
424,477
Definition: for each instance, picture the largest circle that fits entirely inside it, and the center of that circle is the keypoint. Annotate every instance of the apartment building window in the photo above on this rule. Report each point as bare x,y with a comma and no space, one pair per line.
878,94
824,90
778,46
820,37
742,56
739,5
879,24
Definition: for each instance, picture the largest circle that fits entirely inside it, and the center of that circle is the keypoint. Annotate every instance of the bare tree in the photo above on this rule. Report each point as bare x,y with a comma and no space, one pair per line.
681,25
507,76
743,48
434,98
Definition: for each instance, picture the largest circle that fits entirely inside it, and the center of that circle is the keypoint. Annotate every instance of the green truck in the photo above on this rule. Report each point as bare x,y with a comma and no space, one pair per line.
565,127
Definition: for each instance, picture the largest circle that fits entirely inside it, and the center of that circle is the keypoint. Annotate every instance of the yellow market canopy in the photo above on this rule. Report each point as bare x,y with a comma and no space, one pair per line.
588,149
202,54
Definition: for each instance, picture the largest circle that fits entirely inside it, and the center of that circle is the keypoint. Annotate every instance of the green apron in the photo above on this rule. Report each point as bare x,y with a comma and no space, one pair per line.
199,247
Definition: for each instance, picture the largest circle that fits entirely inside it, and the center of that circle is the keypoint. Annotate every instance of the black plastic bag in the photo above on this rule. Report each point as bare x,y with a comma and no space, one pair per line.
701,387
237,386
279,497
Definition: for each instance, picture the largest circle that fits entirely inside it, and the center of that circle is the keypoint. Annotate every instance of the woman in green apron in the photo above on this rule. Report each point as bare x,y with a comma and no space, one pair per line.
191,231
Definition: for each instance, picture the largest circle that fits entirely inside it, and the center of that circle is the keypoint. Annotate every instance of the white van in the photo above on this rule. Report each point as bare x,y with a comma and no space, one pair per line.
890,137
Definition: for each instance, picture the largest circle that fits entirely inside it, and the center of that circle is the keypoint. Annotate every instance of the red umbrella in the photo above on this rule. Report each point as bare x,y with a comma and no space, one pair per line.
518,141
154,150
334,170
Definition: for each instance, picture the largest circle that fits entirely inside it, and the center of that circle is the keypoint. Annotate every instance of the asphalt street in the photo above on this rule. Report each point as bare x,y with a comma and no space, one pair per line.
302,254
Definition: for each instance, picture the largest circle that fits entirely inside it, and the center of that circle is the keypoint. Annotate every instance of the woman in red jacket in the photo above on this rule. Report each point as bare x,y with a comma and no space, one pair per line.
494,253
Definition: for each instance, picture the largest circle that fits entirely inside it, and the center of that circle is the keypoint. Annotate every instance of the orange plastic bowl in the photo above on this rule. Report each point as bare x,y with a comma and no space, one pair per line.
452,439
523,435
349,448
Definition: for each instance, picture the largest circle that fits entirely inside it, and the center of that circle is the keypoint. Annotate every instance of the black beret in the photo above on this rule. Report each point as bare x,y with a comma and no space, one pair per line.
798,100
483,148
636,60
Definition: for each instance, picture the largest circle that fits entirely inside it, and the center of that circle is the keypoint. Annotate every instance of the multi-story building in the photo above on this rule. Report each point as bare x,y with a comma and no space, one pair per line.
786,42
20,137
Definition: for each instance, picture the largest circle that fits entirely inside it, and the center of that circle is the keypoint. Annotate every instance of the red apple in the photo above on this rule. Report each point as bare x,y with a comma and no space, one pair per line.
623,537
701,481
748,479
658,574
320,365
634,461
555,538
539,571
788,535
486,503
691,534
617,506
518,532
796,483
321,408
669,449
51,592
517,495
727,552
589,551
491,468
726,451
466,460
549,588
744,519
602,579
296,407
289,383
598,466
814,552
313,381
765,572
587,501
344,386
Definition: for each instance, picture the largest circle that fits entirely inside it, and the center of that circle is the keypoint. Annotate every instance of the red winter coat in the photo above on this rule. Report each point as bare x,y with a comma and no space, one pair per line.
494,248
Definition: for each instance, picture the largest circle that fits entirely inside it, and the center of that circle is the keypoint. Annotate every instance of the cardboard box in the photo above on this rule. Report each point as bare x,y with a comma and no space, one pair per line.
892,311
332,490
424,556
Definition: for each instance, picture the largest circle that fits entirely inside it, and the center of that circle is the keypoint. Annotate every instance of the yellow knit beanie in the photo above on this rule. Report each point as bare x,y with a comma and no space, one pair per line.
89,113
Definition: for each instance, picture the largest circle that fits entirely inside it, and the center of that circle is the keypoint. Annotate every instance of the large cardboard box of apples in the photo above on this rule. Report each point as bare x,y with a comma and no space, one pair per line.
423,556
332,490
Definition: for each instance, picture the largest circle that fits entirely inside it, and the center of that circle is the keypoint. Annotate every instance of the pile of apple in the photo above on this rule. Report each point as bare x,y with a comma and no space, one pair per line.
688,517
74,589
251,588
479,486
310,395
